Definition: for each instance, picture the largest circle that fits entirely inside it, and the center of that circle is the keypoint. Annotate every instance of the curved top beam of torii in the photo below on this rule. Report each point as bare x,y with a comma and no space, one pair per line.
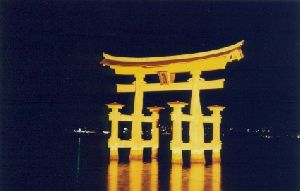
202,61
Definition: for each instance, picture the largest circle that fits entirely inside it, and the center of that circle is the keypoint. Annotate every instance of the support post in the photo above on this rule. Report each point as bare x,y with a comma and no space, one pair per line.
154,128
137,150
176,143
196,125
114,115
216,141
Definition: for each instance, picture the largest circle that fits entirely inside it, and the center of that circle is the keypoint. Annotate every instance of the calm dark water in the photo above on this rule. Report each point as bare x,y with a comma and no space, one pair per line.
69,163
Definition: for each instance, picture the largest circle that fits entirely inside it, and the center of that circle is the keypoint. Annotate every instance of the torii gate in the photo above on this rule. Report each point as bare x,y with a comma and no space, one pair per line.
167,68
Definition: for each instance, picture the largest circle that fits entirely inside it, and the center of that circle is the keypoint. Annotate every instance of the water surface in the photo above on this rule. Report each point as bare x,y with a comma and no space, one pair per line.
70,163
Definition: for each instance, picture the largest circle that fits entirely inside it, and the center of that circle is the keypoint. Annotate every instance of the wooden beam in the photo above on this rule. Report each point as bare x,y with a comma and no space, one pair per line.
125,87
179,86
212,84
216,63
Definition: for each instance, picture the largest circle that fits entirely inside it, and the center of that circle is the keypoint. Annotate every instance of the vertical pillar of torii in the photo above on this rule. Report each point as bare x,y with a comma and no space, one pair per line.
136,130
176,144
154,130
216,141
113,141
196,124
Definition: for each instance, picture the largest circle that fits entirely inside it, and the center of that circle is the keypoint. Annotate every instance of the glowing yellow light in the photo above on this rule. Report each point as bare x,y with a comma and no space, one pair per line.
166,68
144,176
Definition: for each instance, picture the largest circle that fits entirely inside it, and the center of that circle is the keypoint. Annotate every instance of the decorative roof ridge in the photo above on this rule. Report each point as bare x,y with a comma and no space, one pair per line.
114,60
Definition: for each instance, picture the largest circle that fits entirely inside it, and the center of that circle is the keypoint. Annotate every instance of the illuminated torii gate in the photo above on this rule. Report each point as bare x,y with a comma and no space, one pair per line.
167,68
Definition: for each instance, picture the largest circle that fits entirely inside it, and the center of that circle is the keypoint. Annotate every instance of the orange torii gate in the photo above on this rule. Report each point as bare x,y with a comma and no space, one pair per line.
166,68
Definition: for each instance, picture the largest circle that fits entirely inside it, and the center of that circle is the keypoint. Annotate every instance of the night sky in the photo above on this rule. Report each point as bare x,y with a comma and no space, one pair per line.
52,80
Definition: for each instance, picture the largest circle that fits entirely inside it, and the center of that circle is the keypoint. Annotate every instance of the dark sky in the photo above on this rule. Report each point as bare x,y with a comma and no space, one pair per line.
51,78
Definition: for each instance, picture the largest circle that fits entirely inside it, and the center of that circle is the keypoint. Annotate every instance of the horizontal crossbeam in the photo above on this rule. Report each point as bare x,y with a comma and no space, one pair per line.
179,86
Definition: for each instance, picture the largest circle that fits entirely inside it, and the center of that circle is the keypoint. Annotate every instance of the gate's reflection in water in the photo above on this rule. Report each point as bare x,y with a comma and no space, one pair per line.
137,175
